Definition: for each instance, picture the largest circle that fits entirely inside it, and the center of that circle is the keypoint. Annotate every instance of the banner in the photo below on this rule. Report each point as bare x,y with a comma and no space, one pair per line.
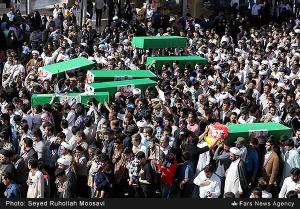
71,100
258,133
43,75
98,76
126,89
121,78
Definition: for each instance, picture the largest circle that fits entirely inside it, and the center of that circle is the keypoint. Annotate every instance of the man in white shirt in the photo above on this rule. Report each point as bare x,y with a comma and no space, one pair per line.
291,158
271,115
208,182
137,145
8,70
66,130
40,147
291,183
70,116
264,97
35,180
240,144
235,181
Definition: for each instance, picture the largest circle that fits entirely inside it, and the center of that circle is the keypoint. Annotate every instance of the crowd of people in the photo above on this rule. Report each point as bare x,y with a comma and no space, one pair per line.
150,143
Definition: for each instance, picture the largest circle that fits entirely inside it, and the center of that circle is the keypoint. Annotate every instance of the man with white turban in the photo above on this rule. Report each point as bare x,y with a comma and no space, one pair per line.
235,181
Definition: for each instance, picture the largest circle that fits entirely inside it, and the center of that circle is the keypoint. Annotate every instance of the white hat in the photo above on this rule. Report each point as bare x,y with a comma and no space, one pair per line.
224,95
66,145
237,50
197,25
282,85
172,19
141,124
263,72
92,59
136,91
265,62
212,100
235,151
297,30
297,54
125,41
280,46
110,57
101,46
294,44
115,18
64,161
35,52
254,62
217,59
218,67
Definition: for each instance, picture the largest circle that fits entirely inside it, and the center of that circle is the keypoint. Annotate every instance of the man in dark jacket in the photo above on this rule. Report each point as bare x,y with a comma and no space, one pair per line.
29,152
252,163
21,169
146,175
63,184
222,160
5,167
190,145
70,176
108,144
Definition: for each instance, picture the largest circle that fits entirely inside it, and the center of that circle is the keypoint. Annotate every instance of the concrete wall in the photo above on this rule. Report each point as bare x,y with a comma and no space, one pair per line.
195,7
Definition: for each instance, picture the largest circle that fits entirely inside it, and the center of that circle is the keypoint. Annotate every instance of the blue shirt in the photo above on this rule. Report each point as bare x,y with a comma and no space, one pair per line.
12,191
251,164
187,172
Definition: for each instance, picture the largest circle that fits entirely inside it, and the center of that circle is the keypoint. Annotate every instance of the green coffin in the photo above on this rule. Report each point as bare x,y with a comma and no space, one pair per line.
182,60
159,42
61,67
118,75
244,130
41,99
113,87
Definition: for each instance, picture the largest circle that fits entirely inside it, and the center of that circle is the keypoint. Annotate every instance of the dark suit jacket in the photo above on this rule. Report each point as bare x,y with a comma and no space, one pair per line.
271,168
195,152
72,180
243,176
30,154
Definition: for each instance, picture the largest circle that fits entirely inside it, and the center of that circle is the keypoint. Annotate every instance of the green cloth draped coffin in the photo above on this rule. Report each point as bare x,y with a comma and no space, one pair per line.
41,99
182,60
123,86
47,72
159,42
118,75
258,129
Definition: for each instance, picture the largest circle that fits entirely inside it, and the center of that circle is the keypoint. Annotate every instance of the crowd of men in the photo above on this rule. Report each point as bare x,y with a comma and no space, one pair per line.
151,143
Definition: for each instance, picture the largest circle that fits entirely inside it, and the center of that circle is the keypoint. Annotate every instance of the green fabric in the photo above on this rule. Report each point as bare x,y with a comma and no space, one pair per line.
41,99
112,87
242,130
159,42
182,60
114,75
72,64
